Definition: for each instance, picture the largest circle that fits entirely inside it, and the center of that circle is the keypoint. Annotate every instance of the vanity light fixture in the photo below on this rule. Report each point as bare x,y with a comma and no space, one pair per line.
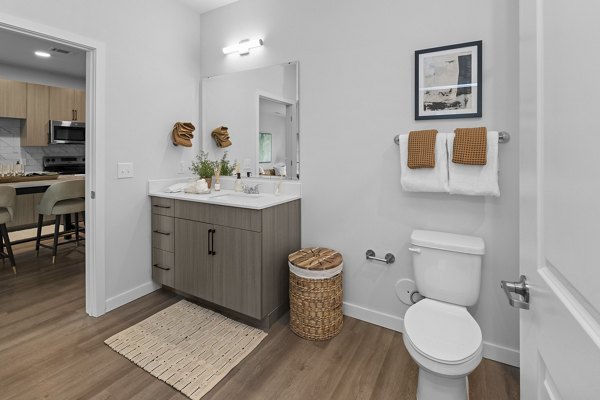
42,54
243,47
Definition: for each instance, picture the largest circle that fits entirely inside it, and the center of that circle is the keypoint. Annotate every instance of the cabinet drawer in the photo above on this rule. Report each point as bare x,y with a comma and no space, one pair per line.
162,232
163,263
163,206
233,217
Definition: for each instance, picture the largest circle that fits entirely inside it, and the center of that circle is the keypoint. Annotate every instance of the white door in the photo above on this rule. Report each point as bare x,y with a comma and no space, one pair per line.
560,198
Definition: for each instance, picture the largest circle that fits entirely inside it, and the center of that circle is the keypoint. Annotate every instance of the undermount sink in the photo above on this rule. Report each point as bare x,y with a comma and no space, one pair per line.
236,196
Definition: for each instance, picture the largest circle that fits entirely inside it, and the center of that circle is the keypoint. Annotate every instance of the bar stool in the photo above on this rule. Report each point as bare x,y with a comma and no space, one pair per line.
61,199
7,204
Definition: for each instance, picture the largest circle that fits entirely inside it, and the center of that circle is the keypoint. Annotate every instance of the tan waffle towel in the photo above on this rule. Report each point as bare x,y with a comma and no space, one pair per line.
421,149
470,146
183,133
221,136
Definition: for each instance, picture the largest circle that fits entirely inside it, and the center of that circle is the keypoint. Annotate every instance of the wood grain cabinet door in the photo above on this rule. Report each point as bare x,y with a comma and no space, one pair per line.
61,104
23,211
237,270
79,105
67,104
193,272
13,99
34,132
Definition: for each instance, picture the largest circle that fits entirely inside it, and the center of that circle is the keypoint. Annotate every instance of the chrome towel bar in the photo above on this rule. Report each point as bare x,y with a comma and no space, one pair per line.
503,137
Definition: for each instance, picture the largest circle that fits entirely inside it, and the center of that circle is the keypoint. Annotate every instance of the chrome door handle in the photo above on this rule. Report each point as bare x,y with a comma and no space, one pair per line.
520,289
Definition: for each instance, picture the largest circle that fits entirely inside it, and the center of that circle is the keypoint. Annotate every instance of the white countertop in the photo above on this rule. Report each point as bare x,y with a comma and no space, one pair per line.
289,191
45,182
231,198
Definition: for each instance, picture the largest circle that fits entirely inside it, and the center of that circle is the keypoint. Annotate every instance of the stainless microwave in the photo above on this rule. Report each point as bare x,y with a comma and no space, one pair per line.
66,132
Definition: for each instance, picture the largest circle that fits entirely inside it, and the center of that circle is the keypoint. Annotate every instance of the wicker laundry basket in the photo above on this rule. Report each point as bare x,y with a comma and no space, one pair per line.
316,293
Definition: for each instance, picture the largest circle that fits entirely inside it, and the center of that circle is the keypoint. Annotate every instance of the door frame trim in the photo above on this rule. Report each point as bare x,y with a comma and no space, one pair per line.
95,150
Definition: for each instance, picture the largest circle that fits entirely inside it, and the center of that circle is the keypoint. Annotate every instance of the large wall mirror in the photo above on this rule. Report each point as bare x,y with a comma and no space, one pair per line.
260,110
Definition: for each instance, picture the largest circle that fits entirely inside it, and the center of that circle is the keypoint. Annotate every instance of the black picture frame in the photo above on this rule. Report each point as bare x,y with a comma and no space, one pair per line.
448,81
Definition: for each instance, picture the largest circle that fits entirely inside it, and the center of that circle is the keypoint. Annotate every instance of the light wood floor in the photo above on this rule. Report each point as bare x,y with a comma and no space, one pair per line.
50,349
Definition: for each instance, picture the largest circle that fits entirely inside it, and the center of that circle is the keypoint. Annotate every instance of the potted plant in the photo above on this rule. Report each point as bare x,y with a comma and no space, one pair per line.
225,166
203,167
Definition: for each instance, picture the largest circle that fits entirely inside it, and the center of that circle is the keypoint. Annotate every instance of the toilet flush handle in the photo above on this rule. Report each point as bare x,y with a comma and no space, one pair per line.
414,250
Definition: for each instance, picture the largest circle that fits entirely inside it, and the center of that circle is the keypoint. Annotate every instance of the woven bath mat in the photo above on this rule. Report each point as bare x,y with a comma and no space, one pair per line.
187,346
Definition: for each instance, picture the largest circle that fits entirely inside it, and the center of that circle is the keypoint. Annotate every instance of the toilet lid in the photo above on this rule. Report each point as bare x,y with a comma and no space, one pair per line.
443,332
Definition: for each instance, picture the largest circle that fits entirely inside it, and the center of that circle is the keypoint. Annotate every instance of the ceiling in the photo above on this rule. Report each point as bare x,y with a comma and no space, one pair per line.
18,49
202,6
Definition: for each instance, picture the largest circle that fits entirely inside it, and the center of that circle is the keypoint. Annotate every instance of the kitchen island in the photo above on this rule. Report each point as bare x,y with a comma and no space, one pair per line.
29,194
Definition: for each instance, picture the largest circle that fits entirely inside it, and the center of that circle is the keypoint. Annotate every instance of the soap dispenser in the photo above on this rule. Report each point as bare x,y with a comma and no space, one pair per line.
237,186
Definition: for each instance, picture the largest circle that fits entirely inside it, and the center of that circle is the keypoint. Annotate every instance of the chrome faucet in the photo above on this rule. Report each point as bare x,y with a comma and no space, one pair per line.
251,189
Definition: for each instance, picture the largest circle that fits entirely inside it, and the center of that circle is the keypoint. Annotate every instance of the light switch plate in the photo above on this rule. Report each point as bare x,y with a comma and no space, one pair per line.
124,170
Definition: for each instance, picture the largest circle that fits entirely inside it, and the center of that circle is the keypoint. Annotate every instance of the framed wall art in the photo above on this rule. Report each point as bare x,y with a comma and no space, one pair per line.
448,81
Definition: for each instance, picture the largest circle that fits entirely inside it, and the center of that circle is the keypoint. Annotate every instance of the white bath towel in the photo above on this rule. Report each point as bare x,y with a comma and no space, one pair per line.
425,179
475,180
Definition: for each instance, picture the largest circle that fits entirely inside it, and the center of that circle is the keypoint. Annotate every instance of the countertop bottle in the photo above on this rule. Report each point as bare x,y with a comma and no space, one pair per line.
237,186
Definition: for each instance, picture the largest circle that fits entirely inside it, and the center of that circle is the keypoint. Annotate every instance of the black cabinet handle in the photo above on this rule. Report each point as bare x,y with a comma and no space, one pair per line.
159,206
161,233
212,244
208,241
75,115
163,268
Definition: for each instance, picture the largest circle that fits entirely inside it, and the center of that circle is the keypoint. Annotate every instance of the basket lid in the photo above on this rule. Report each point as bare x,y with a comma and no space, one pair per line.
315,258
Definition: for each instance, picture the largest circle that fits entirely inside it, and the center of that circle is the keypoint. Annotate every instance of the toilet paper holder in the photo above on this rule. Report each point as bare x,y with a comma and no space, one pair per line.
389,257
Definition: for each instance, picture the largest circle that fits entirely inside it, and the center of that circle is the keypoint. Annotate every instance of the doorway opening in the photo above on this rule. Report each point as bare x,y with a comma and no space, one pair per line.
81,61
278,149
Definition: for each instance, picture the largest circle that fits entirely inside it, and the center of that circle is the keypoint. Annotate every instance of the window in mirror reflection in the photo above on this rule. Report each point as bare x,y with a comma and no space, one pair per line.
265,147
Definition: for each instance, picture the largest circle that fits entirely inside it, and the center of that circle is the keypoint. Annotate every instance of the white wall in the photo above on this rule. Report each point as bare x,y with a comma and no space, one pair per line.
356,92
152,81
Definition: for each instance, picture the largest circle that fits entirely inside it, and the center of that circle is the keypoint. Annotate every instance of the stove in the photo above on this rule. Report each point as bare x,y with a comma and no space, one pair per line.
64,165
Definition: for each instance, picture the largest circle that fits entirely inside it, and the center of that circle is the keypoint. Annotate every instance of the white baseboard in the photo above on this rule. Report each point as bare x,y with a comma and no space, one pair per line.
374,317
130,295
490,351
502,354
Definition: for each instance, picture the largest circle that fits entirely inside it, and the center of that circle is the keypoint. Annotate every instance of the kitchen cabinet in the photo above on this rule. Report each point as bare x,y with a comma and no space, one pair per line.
34,130
25,212
13,99
231,257
67,104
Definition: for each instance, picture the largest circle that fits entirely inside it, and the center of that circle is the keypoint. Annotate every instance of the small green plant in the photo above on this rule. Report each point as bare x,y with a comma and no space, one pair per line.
203,167
226,166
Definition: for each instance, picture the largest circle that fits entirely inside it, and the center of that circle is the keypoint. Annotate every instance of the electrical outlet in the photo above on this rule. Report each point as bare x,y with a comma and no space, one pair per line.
124,170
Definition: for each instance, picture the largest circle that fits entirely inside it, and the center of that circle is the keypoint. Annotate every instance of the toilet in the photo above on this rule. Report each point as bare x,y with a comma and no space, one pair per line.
439,333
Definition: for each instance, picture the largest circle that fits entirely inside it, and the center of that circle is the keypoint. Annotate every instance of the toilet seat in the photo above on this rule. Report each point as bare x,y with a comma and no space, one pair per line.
442,332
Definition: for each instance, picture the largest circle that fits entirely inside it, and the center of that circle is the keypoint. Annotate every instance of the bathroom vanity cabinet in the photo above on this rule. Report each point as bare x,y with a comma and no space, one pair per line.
232,257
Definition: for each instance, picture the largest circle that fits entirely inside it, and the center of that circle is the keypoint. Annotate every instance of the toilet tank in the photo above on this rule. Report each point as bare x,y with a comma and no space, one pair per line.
447,266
